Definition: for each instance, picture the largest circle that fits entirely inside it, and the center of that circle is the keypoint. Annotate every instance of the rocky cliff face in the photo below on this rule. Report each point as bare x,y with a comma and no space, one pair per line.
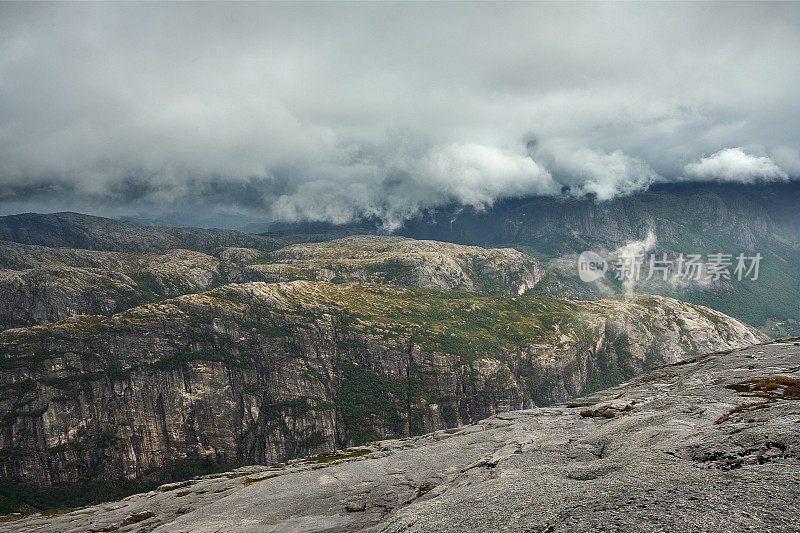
42,284
683,448
260,373
401,261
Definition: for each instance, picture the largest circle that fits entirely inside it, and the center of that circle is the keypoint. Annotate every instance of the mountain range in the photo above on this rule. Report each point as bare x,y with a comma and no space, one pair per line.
133,355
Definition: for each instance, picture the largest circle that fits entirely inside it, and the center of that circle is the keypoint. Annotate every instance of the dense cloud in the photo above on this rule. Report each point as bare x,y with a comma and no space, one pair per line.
210,113
607,175
733,164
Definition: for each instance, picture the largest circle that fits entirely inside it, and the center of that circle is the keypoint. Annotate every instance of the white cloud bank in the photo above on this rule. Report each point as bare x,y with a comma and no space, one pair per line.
399,188
734,164
477,175
629,252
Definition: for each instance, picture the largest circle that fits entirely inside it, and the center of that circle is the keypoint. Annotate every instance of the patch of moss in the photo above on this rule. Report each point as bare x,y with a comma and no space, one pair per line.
588,413
136,518
776,387
175,486
251,480
325,458
743,408
53,513
424,489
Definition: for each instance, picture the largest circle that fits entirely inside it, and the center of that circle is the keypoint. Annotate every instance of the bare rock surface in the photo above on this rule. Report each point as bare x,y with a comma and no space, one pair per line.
403,261
44,284
711,444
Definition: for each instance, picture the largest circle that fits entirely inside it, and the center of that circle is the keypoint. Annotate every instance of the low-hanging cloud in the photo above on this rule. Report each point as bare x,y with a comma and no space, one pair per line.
608,175
631,253
465,174
335,112
476,175
734,164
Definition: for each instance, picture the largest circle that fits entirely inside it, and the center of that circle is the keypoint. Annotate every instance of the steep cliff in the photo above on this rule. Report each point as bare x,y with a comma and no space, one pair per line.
260,373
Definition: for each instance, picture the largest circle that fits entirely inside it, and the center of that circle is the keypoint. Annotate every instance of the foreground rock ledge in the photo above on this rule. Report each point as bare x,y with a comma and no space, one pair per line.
711,444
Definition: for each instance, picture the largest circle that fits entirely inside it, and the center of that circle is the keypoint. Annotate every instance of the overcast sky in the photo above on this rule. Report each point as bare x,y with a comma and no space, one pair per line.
214,112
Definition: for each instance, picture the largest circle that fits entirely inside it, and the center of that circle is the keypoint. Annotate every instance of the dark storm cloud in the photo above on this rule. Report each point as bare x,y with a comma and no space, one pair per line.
338,111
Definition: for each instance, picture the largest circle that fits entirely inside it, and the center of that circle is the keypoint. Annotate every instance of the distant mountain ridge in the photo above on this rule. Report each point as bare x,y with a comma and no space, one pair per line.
75,230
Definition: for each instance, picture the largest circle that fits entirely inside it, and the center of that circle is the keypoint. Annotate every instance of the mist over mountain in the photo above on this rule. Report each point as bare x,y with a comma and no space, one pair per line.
557,225
685,218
